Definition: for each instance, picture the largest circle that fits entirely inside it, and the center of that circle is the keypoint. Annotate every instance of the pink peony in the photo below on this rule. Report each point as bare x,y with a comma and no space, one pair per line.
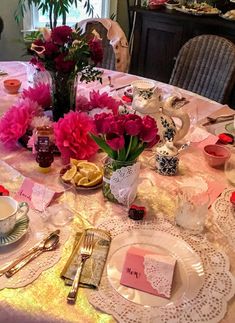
72,136
61,35
82,103
40,94
103,100
16,121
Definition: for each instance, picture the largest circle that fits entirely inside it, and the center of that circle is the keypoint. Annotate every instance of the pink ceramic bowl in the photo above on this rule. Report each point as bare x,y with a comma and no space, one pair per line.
216,155
12,85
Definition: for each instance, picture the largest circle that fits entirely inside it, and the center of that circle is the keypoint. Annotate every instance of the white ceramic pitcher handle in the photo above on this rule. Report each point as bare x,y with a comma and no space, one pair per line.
184,118
23,209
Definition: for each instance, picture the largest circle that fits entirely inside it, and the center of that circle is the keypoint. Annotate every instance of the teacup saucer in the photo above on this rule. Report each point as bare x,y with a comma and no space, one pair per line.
18,232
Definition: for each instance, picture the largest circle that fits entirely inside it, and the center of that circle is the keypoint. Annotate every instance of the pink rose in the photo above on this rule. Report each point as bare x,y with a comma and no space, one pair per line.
149,129
61,35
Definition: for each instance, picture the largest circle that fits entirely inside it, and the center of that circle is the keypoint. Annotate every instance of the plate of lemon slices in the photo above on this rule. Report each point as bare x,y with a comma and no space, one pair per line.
81,174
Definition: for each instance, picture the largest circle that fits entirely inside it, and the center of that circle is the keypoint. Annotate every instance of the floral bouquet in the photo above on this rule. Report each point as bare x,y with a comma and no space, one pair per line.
64,53
123,138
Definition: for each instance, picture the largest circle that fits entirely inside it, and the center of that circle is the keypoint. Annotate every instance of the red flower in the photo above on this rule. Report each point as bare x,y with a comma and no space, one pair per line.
149,129
133,124
62,65
50,49
116,142
103,100
72,136
102,122
95,46
61,35
41,94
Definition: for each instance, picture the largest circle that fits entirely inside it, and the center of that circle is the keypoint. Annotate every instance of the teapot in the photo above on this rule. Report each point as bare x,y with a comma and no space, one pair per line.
147,100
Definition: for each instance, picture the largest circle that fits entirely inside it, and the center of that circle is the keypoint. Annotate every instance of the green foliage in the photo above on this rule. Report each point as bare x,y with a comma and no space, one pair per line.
54,8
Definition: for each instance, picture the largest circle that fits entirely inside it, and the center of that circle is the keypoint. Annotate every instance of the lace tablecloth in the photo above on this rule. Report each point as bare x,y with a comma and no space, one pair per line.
208,305
224,216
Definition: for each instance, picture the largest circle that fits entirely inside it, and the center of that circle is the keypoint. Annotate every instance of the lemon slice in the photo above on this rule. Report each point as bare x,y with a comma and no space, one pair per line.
77,177
69,174
74,161
87,165
86,183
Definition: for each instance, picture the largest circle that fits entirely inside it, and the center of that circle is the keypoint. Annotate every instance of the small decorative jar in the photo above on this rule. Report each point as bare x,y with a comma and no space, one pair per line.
44,146
167,159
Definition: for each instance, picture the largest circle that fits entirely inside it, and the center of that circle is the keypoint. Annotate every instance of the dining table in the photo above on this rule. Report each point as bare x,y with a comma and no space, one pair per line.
204,291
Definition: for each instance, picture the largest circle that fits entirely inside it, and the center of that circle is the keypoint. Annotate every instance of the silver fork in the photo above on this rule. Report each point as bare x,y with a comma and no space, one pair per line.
85,253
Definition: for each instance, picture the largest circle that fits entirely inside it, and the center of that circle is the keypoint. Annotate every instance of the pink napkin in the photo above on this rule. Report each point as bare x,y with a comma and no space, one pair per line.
36,195
149,272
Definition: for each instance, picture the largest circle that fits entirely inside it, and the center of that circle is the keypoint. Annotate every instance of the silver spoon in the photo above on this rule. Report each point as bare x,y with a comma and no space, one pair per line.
49,244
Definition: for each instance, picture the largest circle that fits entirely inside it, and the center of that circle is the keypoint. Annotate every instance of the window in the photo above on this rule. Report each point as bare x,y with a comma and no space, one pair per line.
102,8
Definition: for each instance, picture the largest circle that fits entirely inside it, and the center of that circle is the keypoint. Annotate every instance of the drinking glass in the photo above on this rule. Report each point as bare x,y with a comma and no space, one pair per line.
191,209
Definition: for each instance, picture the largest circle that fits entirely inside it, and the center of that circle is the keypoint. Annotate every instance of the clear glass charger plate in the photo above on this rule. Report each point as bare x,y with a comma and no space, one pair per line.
188,275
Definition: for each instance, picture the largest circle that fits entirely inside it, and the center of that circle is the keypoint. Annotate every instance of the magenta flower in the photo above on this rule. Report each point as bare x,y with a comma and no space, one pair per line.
116,142
133,124
96,49
149,129
40,94
72,136
17,120
61,35
63,65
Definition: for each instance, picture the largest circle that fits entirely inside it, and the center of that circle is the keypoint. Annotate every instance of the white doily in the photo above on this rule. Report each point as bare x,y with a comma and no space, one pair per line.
124,182
209,304
37,231
158,281
224,215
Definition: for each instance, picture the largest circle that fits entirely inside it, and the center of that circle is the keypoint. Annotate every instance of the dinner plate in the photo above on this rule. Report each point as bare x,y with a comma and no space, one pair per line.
188,275
20,229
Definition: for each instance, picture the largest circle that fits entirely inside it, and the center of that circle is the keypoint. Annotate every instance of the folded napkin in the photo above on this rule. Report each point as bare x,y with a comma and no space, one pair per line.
93,267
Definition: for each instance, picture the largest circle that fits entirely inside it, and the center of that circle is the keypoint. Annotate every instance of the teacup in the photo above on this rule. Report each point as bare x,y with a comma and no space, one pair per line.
10,212
143,88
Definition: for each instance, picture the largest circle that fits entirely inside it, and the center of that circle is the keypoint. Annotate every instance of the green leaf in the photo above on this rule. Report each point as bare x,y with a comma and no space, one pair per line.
137,152
103,145
122,154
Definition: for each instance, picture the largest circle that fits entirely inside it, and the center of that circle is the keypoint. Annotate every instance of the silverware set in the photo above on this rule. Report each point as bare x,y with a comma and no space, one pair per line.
49,243
85,253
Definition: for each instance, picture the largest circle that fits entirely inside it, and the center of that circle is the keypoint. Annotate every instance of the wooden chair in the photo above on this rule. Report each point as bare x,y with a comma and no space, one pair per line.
114,42
206,65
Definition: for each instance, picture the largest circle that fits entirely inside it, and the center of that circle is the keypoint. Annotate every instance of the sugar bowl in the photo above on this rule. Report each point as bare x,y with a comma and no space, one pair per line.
167,159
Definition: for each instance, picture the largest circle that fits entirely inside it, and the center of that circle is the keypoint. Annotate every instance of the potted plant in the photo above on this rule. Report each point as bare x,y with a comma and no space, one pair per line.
54,8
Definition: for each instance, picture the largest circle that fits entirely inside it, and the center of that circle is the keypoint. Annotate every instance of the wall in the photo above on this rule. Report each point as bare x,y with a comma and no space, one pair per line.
11,43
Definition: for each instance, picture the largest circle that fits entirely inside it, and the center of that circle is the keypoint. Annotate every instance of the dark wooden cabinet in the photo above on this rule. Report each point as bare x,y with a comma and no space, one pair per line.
159,34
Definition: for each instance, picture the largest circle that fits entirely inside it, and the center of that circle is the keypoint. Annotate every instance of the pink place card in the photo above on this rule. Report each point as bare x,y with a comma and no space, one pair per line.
36,195
148,272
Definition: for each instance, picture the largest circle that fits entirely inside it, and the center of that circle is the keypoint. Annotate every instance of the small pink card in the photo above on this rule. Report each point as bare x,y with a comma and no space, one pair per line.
148,271
36,195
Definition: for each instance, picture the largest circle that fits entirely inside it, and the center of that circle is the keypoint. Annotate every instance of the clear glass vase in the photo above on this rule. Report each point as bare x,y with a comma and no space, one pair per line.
120,180
63,87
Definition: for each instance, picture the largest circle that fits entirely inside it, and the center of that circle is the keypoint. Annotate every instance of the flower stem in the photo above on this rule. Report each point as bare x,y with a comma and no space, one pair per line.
129,148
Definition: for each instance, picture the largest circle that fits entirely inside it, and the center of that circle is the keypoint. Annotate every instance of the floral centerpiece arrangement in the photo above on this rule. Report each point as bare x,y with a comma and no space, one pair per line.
64,53
123,138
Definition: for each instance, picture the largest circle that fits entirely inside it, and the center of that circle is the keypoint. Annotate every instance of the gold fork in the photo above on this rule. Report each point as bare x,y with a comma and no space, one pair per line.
85,253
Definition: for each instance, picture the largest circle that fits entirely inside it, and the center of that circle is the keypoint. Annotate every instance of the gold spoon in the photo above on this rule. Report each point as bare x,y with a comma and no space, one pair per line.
32,250
48,245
